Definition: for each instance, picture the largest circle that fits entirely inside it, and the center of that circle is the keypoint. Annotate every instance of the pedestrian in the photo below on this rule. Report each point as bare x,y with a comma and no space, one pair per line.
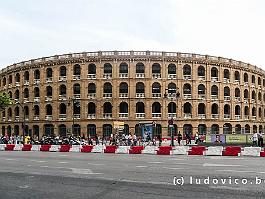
159,139
134,140
179,138
96,138
197,138
254,139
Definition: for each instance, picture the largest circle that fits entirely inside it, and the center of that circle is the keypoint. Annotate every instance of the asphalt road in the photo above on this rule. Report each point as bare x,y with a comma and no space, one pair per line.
78,175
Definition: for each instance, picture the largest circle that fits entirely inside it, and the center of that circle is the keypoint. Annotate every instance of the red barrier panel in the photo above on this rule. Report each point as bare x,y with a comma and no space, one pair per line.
197,150
110,149
164,150
231,151
26,147
136,149
262,153
45,147
87,148
64,148
10,147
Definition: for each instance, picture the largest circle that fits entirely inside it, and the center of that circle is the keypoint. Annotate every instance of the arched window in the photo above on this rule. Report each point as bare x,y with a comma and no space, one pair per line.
253,79
226,111
245,77
202,130
48,109
17,111
36,74
26,76
227,128
4,81
226,91
260,112
92,69
107,107
91,130
10,94
9,113
26,110
215,129
187,108
76,129
172,88
246,111
123,87
123,107
201,89
17,78
237,110
254,112
238,129
187,71
26,93
140,68
201,72
48,73
214,90
36,110
48,129
36,92
253,95
187,89
156,68
247,129
214,109
77,69
76,107
237,76
63,71
156,88
201,108
107,88
17,94
76,89
226,74
62,130
187,129
237,93
259,81
245,94
62,109
156,107
49,91
214,73
139,87
107,68
107,130
62,90
171,108
259,96
140,107
123,68
91,108
172,69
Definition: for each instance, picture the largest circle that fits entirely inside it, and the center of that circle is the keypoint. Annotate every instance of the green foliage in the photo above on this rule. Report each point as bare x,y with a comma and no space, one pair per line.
4,100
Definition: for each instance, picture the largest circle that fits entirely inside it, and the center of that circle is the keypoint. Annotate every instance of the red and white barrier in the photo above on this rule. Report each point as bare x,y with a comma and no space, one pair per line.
87,148
75,148
98,149
65,148
214,150
149,150
136,150
18,147
54,148
110,149
164,150
180,150
232,151
2,147
35,148
123,149
251,151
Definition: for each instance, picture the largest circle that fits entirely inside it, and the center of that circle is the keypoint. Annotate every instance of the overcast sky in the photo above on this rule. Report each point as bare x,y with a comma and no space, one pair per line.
228,28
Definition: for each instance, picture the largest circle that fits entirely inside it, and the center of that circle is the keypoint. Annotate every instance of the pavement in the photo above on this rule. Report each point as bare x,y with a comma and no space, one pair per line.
88,175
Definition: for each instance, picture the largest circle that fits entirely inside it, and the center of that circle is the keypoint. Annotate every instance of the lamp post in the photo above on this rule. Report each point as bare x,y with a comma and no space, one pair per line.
171,120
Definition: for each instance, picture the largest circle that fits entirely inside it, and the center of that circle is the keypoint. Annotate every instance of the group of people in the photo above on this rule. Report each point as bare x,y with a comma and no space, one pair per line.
15,139
257,139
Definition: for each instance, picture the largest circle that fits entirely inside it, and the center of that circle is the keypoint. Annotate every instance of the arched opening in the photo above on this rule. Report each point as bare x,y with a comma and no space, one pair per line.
140,69
17,78
62,130
172,69
247,129
77,70
92,69
123,107
238,129
139,87
227,128
215,129
187,129
201,109
245,77
214,91
202,130
49,109
37,74
215,109
156,88
123,87
63,71
48,129
107,68
214,73
62,90
62,109
91,130
107,87
49,91
201,72
226,74
123,68
237,76
91,108
107,130
140,107
48,73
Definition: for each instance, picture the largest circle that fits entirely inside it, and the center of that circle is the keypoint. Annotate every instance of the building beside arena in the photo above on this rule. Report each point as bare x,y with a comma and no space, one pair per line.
86,93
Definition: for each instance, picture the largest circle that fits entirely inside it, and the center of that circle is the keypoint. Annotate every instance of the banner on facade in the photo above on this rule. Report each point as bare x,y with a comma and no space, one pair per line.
215,138
147,131
236,139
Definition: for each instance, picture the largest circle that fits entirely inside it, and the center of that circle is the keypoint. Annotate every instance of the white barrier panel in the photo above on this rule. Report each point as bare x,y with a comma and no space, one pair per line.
98,149
2,147
251,151
75,148
149,150
180,150
18,147
54,148
214,150
122,149
35,148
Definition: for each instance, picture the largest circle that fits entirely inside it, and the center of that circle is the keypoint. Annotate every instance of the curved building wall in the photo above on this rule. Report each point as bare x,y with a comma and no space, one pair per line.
85,93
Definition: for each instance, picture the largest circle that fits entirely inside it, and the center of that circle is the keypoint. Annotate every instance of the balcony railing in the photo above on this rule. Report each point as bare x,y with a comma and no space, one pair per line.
26,99
123,95
226,80
36,81
36,117
123,115
171,115
48,79
17,84
201,116
62,116
62,97
140,75
246,84
91,116
245,100
214,79
76,77
226,116
62,78
215,116
26,82
36,99
17,118
237,81
156,115
171,95
123,75
156,75
91,95
107,115
107,75
77,116
254,117
77,96
246,117
9,85
107,95
172,76
91,76
214,97
187,77
4,119
201,96
237,99
48,117
140,95
48,98
9,119
237,117
187,96
156,95
201,77
140,115
187,115
227,98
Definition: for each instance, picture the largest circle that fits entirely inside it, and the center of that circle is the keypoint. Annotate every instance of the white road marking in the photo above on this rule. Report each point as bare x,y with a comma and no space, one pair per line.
29,165
227,187
84,171
221,165
238,171
63,162
23,187
172,168
63,155
40,161
224,158
141,166
94,164
155,162
9,159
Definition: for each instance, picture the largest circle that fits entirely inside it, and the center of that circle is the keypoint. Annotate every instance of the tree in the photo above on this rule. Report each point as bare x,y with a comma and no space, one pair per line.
4,100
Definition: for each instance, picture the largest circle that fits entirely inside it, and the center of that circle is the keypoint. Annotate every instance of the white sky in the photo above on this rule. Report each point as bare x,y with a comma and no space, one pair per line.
228,28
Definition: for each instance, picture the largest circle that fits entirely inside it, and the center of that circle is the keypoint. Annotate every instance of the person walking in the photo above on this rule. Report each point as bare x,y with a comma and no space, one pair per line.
179,138
254,139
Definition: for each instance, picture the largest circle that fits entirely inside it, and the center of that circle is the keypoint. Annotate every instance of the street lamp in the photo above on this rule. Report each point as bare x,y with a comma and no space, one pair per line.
171,120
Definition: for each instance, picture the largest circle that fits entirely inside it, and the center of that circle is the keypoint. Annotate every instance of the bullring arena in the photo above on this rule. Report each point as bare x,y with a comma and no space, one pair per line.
86,93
